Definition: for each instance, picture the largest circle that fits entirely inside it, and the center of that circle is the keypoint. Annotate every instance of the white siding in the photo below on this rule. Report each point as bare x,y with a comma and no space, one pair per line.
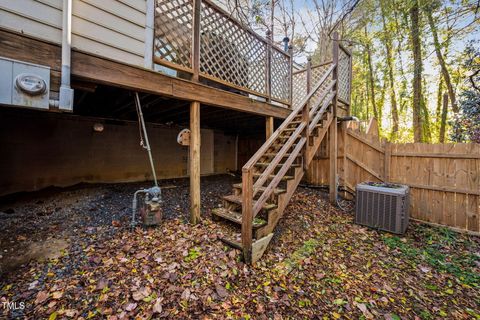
111,28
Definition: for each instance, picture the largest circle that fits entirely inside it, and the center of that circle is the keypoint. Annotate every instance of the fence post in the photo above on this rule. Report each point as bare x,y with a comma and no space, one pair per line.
197,7
247,214
268,71
333,127
387,159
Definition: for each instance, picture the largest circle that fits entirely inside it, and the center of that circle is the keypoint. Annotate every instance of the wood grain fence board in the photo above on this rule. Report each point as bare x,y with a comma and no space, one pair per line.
445,189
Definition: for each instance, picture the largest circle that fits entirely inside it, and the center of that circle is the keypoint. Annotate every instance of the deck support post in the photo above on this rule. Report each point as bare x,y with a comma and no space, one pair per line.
247,214
269,127
306,119
333,128
194,162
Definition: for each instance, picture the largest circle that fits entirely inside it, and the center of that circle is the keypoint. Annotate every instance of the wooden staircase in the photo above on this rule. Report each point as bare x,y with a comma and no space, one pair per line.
272,175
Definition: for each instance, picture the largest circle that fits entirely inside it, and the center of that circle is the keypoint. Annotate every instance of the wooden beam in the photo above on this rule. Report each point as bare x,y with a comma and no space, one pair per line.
362,139
196,40
365,167
269,127
437,155
333,191
104,71
247,214
387,160
194,162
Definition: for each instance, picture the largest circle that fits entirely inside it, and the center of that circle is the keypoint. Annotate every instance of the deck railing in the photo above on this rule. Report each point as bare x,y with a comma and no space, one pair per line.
201,39
303,79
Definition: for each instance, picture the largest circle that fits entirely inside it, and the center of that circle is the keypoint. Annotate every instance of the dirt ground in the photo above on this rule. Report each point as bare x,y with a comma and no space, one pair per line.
69,253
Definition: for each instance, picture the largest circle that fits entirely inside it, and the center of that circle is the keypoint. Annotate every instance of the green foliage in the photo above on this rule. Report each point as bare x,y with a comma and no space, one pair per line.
193,254
466,124
433,254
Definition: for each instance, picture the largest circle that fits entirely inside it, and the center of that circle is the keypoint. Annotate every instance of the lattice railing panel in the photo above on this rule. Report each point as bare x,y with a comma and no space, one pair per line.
299,86
280,66
317,74
230,53
344,75
173,31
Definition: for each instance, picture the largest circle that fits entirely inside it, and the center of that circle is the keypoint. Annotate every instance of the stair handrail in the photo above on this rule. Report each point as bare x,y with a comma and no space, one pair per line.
322,110
254,159
278,177
326,97
247,170
278,157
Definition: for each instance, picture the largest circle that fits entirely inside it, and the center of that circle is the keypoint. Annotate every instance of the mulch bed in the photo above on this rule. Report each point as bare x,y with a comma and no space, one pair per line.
319,264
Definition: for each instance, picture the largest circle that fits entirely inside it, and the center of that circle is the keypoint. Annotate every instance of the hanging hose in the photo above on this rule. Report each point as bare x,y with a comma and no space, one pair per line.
144,129
154,192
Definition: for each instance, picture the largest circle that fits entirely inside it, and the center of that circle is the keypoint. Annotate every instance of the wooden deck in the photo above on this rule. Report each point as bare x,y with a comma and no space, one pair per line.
89,68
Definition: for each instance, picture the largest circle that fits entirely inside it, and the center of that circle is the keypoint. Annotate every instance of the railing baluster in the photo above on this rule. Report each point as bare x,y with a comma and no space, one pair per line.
247,213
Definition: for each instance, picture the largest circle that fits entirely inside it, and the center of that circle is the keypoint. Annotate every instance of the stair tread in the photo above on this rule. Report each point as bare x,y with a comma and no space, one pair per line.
237,217
319,125
256,175
265,164
238,200
269,154
276,190
232,243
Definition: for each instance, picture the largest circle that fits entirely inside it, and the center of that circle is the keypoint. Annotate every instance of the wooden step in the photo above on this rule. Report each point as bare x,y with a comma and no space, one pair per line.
238,200
269,154
236,217
284,178
232,243
317,126
290,129
276,191
266,164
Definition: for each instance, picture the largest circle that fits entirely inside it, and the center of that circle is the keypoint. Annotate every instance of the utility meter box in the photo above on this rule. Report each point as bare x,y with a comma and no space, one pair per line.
383,206
24,84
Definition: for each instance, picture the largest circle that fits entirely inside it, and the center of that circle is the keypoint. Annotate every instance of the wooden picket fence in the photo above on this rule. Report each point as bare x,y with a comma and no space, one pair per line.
444,178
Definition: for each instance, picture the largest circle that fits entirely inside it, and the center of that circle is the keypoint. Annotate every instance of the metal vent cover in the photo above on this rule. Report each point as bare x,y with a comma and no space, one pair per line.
383,206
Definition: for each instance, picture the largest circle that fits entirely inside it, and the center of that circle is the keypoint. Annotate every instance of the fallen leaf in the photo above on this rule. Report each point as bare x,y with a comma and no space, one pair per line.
364,310
157,307
130,306
221,291
42,296
141,293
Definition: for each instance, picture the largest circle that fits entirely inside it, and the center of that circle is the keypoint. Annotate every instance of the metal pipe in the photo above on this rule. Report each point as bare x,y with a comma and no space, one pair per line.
66,42
147,143
348,118
66,92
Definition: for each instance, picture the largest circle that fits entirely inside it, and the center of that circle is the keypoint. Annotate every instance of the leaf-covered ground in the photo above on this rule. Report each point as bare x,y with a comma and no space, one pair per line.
319,265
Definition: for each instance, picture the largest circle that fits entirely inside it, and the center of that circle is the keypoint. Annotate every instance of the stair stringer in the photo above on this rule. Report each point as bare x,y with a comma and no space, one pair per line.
284,199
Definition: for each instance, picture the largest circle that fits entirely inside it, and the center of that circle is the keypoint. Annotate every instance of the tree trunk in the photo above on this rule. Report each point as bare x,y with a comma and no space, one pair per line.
371,78
444,118
438,111
441,60
417,73
390,64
